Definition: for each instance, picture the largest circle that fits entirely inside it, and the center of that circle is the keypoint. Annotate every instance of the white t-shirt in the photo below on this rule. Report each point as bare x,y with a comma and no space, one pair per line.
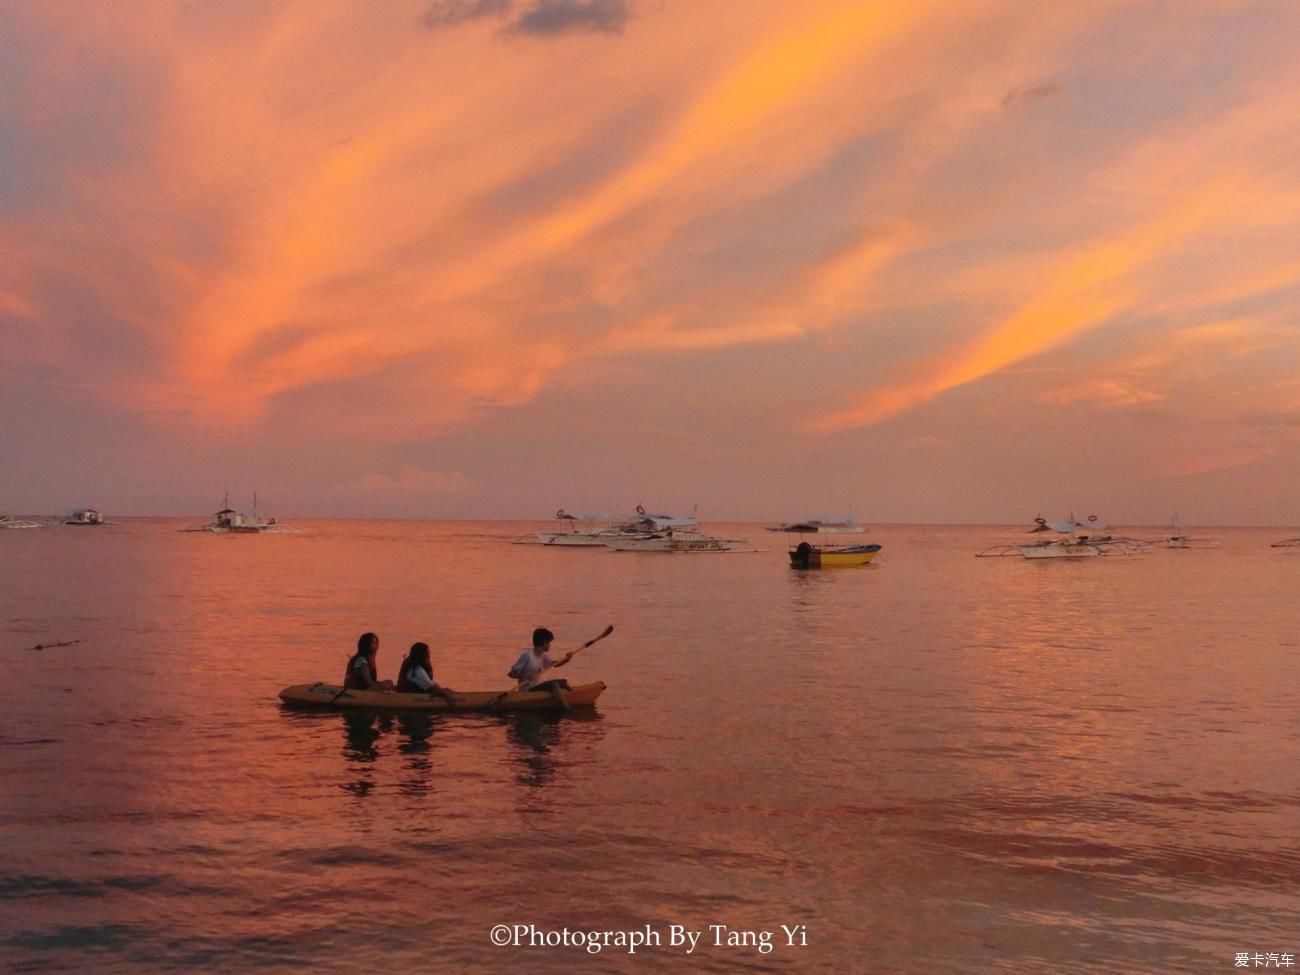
529,665
418,676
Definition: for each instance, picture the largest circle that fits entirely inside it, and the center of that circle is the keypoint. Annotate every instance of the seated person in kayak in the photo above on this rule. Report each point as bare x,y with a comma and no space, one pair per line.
362,673
416,675
536,659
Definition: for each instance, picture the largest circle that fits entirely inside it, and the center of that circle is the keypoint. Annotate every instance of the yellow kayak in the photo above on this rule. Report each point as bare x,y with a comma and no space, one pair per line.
320,695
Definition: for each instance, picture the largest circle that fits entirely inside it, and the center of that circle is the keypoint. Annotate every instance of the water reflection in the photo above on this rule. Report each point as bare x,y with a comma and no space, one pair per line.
362,731
1027,752
537,740
416,747
531,737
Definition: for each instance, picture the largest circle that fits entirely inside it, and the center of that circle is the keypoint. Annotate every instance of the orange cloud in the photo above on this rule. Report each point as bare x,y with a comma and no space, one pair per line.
1086,290
312,226
333,199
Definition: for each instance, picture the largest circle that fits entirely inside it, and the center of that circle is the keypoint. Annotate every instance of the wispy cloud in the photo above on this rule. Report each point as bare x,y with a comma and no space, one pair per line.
1112,392
1116,273
548,18
451,13
310,217
1019,95
533,18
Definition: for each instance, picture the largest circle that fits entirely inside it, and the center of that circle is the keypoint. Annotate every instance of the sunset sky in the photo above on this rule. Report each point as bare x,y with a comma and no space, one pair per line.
927,262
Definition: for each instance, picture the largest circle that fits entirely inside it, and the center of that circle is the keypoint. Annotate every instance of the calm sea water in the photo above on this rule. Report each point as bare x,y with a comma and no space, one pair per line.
935,763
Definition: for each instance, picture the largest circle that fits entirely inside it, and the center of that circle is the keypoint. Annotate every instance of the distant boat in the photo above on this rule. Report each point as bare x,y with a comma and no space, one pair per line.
806,556
596,531
7,522
678,540
822,526
573,535
1083,540
228,521
1178,538
1287,543
85,516
664,533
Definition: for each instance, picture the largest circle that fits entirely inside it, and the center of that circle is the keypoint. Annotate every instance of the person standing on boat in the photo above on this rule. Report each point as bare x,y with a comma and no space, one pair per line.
363,672
416,675
536,659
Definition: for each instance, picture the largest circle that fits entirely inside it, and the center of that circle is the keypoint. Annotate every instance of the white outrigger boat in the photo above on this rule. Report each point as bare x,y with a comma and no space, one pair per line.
661,533
7,522
679,541
573,536
577,535
1082,541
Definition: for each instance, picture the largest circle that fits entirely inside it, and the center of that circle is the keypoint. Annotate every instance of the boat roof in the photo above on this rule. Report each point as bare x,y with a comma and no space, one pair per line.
660,522
1068,526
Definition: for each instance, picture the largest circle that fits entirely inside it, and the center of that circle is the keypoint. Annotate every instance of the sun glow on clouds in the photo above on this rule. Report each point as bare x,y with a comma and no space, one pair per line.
1120,273
406,220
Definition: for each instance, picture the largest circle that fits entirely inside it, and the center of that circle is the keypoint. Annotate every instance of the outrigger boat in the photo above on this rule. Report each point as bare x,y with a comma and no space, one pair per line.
1082,542
638,526
574,536
822,525
228,521
660,533
806,556
7,522
679,541
331,696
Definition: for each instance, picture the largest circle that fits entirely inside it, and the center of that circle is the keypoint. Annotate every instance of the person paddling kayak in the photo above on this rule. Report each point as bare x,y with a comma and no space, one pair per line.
416,675
362,673
536,659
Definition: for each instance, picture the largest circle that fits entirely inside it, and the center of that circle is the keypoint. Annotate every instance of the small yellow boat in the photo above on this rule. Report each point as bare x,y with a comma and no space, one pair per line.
806,556
321,695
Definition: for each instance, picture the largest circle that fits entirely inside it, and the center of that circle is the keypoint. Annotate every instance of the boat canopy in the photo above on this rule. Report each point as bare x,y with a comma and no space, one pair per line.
1069,526
664,522
579,516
